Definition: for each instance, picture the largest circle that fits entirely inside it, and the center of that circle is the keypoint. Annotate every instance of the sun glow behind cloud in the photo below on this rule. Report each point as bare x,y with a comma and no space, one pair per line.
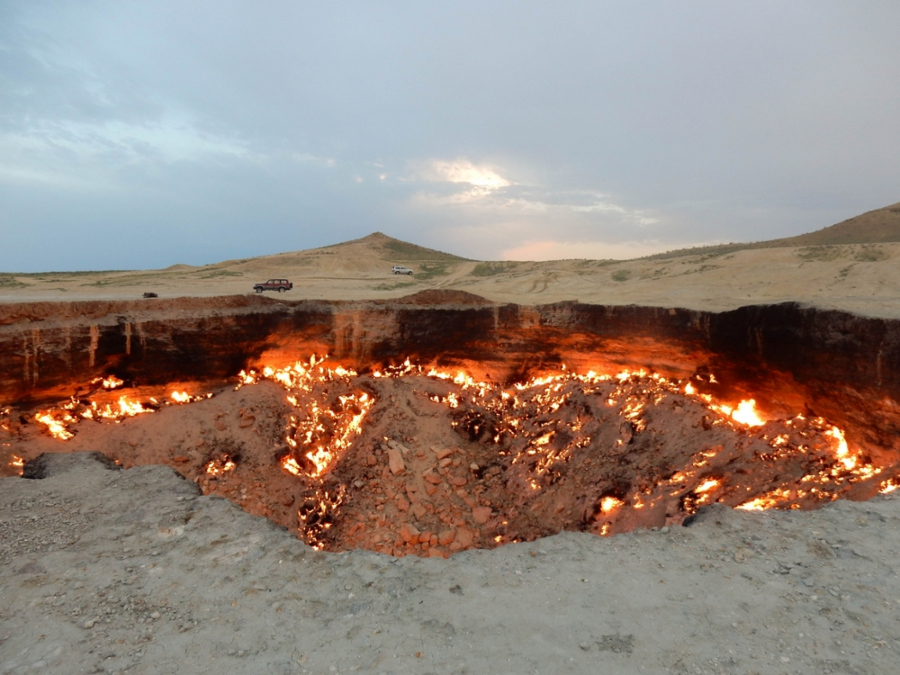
509,219
464,171
467,181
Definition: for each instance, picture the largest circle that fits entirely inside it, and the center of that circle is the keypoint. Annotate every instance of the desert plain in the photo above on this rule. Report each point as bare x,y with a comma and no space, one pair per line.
857,277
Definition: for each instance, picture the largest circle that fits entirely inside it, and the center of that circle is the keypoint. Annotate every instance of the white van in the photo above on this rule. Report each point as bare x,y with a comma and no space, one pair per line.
400,269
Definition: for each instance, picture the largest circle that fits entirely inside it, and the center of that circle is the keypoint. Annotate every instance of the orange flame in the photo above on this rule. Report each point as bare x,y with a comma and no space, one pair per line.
608,504
112,382
842,452
326,429
219,467
290,464
326,425
707,485
130,408
56,427
745,413
770,500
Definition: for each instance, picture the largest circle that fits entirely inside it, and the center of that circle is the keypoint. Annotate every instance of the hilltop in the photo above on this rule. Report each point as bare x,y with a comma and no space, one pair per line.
881,226
395,249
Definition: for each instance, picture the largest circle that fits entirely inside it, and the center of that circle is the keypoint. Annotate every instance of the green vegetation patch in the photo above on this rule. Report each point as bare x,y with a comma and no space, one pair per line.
62,276
871,253
591,264
220,273
655,274
706,251
701,269
821,253
489,269
621,275
8,281
394,286
431,270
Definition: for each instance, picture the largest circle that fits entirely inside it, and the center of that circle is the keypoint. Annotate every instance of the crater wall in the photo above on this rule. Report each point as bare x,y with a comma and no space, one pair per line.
789,357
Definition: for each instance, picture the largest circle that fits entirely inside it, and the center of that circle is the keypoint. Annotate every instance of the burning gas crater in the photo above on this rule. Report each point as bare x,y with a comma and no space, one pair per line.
415,460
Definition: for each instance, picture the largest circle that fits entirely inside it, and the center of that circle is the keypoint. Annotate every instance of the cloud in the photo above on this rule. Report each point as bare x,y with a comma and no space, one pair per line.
464,171
483,188
574,127
565,202
479,203
460,179
309,158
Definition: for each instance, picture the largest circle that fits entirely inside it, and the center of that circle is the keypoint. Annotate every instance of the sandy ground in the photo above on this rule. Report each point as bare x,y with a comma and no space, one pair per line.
105,570
860,278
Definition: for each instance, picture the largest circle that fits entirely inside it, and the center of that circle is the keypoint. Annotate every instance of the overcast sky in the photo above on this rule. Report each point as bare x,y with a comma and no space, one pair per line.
142,134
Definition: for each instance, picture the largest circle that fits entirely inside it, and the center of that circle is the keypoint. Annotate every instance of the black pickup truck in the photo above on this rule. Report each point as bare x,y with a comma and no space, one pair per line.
280,285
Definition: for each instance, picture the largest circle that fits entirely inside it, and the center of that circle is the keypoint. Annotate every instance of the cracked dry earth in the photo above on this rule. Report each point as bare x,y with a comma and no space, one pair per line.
110,570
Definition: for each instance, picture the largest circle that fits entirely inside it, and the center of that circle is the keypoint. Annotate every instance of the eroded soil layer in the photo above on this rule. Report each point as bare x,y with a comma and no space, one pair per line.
790,358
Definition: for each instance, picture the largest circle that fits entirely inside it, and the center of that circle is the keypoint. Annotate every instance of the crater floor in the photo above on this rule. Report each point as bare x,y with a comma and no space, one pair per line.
404,462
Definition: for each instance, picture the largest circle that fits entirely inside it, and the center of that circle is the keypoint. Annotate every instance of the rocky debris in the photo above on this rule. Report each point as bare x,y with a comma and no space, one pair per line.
442,296
481,514
603,458
395,461
436,469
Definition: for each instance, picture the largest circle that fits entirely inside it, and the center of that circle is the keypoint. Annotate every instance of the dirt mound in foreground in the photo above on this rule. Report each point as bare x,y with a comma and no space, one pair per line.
438,296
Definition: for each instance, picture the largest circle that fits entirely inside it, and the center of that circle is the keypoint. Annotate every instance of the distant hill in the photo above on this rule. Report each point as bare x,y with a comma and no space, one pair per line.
369,257
395,249
880,226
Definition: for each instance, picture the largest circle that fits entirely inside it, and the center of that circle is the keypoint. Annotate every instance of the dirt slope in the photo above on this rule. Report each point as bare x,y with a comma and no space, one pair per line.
873,227
881,226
